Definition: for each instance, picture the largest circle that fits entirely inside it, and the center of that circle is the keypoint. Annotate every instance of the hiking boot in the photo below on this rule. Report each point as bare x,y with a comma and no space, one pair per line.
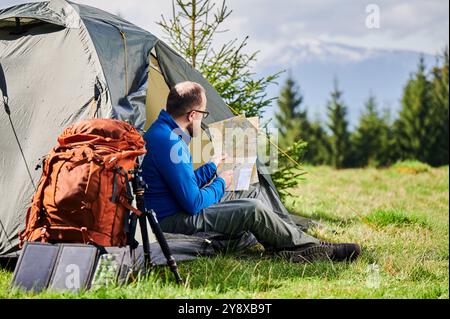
307,253
322,251
343,252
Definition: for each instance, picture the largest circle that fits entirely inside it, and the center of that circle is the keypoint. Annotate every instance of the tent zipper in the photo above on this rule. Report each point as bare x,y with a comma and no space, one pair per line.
124,38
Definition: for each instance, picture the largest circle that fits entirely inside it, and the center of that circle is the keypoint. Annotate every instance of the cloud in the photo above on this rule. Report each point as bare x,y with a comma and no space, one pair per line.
415,24
405,24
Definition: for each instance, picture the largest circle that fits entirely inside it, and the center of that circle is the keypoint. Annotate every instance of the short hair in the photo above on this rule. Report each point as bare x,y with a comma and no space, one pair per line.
183,97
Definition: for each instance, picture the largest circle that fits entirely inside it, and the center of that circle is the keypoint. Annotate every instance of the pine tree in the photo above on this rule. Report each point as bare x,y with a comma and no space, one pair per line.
440,87
292,124
319,148
372,138
289,174
291,120
191,31
338,125
388,153
415,129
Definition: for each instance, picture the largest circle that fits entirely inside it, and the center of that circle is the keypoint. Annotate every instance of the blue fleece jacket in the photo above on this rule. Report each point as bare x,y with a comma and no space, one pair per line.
172,183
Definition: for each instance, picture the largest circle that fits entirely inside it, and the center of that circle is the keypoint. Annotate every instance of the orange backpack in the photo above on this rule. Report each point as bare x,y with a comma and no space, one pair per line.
83,195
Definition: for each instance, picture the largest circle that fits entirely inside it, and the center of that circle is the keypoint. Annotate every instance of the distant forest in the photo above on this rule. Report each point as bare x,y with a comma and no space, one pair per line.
418,132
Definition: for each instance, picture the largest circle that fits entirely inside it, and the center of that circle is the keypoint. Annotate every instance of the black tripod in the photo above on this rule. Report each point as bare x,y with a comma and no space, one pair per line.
139,185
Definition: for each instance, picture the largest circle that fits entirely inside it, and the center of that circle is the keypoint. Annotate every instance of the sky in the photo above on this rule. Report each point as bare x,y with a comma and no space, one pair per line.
418,25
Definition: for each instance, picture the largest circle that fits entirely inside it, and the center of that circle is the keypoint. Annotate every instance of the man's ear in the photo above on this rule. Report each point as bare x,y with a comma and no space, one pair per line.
190,116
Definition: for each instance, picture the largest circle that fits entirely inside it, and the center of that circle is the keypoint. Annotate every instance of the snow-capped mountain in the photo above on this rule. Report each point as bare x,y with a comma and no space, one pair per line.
360,71
310,50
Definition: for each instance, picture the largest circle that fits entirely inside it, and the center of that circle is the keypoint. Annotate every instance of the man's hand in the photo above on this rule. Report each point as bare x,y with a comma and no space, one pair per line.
219,159
228,177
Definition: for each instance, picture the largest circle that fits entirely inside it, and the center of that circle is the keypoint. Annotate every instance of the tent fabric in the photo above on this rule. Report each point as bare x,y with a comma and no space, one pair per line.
123,51
62,62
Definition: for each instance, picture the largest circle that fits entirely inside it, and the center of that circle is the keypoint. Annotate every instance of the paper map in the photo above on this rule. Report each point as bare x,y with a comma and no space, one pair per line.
237,137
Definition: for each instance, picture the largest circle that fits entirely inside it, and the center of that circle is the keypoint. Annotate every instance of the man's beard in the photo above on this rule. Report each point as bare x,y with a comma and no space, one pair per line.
194,130
190,130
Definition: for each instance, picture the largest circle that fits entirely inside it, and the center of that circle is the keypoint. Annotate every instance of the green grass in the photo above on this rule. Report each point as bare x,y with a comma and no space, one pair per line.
386,217
401,220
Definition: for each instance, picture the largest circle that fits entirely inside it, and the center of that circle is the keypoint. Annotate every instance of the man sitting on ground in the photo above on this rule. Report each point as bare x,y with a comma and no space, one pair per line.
187,201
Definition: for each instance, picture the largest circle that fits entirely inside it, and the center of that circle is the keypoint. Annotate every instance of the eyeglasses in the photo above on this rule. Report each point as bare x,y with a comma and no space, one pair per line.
205,113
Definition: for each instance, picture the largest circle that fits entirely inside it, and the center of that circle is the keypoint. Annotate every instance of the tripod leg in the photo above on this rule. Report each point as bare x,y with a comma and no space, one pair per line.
163,244
131,233
145,240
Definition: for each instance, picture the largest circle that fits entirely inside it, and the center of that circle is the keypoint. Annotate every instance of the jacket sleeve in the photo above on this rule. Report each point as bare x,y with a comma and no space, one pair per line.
177,170
205,173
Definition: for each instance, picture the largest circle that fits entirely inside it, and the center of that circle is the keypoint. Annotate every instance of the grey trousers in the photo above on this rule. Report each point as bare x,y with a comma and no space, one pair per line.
255,210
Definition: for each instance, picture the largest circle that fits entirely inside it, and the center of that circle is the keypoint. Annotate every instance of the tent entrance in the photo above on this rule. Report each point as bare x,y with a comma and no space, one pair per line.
17,26
14,28
157,91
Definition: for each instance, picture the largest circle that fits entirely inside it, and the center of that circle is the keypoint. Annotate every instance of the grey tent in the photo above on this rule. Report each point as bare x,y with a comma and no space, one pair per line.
61,62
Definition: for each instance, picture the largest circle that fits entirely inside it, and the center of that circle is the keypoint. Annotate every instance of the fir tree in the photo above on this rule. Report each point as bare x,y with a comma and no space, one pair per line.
440,87
319,148
338,125
291,120
292,124
415,129
289,174
388,153
372,138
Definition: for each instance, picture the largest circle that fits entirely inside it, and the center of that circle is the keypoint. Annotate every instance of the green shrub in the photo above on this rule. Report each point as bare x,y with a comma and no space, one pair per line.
411,167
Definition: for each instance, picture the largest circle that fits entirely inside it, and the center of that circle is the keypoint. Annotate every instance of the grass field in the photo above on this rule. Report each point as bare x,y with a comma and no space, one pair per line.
400,216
